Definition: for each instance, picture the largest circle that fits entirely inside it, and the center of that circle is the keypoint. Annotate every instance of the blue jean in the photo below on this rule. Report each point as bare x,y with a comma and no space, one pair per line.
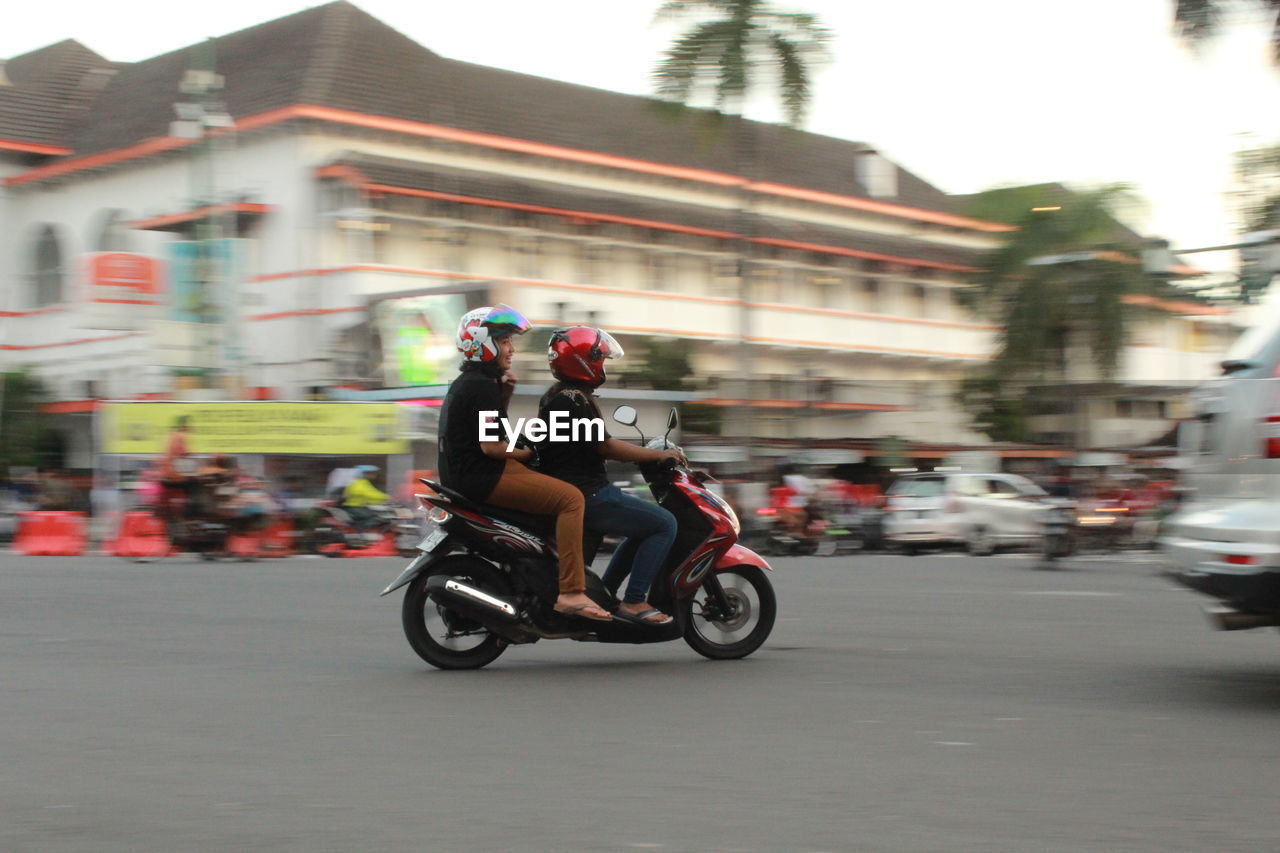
649,530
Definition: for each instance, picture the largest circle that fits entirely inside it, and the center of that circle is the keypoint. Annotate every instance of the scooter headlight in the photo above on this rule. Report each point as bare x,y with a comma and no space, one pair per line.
733,519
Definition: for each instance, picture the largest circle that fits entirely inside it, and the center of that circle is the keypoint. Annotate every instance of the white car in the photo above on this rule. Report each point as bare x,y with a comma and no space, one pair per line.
1224,541
980,511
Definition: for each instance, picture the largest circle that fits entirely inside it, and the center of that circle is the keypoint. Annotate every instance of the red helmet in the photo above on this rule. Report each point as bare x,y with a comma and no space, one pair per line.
480,330
578,353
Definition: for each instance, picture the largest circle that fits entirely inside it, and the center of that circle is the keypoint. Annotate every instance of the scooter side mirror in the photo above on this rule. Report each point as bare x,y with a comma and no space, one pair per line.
625,415
673,419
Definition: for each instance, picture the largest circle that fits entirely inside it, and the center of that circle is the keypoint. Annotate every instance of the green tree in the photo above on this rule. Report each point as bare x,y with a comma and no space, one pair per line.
25,435
1057,288
1060,280
731,49
664,367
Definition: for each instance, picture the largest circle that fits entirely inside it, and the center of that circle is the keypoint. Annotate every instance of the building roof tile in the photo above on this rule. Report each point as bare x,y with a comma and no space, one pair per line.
338,56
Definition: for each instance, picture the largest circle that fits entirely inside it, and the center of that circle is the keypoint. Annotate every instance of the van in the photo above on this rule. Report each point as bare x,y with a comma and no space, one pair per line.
1224,540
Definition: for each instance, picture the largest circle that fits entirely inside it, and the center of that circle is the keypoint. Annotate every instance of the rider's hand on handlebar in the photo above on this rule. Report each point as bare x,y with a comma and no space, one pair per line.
675,457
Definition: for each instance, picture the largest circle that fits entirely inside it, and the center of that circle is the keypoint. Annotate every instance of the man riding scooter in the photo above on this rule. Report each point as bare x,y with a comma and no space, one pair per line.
360,495
577,357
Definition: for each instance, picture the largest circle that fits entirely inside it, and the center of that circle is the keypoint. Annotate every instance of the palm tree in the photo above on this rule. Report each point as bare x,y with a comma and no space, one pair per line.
1063,274
1199,20
731,48
1061,283
733,41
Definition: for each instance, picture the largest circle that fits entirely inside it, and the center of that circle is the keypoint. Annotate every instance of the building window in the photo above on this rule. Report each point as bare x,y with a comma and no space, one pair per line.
46,268
871,294
592,263
112,234
765,284
526,255
661,271
920,300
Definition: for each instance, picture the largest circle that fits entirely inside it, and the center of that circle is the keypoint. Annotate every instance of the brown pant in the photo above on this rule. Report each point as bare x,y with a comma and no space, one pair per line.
523,489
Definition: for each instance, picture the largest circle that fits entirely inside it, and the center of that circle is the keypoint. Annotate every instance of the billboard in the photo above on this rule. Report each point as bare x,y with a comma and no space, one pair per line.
414,336
124,290
201,275
320,428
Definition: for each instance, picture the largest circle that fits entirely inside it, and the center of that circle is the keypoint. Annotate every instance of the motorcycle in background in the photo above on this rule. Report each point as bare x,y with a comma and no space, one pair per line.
1058,539
396,528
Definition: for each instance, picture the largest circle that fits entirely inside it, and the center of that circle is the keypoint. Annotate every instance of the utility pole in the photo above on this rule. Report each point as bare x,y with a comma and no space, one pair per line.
204,118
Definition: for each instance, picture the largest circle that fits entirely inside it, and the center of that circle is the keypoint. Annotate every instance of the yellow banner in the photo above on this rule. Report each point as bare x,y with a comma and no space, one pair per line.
342,429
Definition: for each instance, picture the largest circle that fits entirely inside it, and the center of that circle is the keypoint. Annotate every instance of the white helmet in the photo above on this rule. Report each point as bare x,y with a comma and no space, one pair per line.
480,330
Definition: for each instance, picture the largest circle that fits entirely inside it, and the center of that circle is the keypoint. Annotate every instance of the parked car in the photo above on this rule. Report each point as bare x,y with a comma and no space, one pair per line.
982,512
1224,538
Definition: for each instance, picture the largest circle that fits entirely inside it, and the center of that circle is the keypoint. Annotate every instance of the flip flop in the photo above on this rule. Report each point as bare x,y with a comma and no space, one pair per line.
642,618
577,610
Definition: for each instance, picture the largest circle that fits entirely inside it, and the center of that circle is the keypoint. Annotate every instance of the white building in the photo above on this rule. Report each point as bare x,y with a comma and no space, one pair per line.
358,164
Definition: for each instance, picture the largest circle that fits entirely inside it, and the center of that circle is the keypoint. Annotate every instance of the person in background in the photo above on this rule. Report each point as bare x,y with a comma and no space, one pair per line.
54,492
339,479
217,487
251,506
360,495
176,469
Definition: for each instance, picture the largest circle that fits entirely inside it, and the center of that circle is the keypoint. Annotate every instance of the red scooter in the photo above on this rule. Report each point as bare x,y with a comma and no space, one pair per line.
487,577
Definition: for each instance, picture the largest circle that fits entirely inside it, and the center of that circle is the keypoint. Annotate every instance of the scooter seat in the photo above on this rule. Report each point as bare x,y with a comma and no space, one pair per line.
542,525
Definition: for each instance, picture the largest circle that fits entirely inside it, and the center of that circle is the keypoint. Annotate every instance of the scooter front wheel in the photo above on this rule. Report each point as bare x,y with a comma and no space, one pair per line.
720,634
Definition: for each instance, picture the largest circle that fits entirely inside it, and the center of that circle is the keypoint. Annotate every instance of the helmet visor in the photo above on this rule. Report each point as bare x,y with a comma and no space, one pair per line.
608,345
505,315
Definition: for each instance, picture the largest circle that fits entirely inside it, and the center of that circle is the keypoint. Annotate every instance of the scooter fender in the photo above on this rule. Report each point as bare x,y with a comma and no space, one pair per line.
741,556
415,568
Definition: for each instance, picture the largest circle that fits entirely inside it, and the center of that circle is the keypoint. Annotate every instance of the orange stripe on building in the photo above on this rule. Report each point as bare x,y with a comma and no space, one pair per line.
885,208
305,312
33,148
25,347
658,225
146,148
53,309
553,211
799,404
1172,306
619,291
200,213
413,128
858,253
124,302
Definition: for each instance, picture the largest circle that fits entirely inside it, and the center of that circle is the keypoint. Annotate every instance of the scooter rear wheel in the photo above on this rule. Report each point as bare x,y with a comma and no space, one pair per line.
728,636
442,637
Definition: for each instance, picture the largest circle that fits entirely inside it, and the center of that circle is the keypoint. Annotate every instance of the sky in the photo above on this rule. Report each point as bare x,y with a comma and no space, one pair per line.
966,95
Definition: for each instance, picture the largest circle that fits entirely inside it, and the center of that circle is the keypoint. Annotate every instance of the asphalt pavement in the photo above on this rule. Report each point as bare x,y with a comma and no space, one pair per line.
936,703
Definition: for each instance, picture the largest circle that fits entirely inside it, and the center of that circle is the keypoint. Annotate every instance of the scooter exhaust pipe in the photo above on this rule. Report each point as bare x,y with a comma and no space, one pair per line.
1229,619
466,599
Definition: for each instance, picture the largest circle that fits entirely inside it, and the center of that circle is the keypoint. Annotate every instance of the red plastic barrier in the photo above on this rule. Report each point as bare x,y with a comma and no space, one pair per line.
279,539
46,533
141,534
246,546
